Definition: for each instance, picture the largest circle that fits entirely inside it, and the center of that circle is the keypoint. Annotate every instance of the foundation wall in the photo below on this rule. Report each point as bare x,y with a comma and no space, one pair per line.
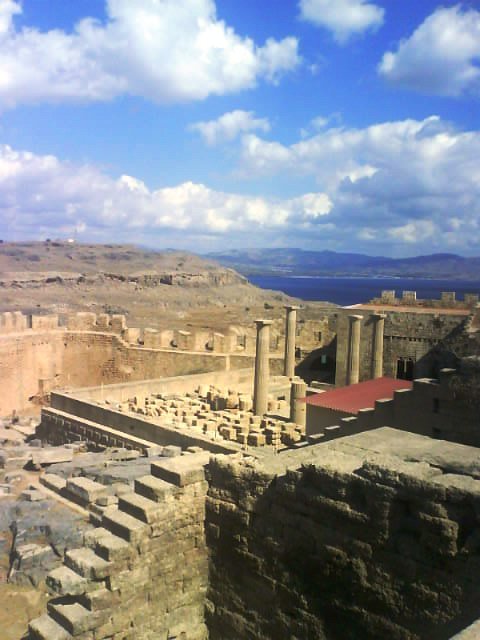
60,427
340,548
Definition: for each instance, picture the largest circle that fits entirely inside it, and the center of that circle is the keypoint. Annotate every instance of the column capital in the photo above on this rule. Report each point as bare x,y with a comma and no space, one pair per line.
379,316
291,307
355,317
263,323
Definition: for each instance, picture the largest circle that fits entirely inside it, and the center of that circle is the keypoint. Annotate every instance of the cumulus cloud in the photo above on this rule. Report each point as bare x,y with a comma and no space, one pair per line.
229,126
344,18
441,57
40,195
163,50
406,181
407,186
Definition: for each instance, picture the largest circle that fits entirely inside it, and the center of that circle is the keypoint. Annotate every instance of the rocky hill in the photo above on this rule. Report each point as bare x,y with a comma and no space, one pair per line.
159,289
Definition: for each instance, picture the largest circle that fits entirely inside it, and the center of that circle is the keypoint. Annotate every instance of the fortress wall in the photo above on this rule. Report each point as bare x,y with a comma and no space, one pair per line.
26,363
337,547
32,363
447,300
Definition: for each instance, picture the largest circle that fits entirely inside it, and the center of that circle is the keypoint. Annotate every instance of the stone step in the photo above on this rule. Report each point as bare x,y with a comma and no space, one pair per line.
64,581
73,617
85,490
154,488
109,546
125,526
53,482
92,537
139,507
182,470
87,563
45,628
100,600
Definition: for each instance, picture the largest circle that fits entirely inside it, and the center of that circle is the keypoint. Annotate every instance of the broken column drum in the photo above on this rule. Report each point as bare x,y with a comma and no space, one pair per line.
377,356
262,368
298,406
290,333
353,364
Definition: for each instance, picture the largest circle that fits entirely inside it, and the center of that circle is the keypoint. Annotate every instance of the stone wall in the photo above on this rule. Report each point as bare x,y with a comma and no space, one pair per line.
431,408
35,361
345,543
447,300
408,335
373,536
107,427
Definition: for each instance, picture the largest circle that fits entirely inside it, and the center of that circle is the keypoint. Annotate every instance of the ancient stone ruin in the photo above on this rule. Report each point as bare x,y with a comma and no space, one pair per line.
210,503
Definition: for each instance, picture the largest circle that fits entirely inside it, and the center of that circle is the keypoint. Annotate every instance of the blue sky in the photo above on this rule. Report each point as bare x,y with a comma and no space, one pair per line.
351,125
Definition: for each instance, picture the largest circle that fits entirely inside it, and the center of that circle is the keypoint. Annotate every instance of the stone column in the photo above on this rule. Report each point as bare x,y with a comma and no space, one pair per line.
298,409
290,334
377,347
262,372
353,363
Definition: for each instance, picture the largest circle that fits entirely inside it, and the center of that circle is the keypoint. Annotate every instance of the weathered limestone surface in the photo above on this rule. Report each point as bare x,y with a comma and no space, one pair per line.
345,540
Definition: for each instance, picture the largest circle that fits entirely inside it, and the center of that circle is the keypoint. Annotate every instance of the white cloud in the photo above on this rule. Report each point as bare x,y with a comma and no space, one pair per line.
440,57
41,196
230,125
163,50
344,18
408,181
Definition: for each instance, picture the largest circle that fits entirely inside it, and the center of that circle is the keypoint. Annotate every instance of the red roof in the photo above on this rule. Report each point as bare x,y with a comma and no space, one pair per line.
358,396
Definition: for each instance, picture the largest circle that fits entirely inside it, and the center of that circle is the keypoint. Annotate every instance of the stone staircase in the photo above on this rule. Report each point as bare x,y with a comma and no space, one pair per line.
144,571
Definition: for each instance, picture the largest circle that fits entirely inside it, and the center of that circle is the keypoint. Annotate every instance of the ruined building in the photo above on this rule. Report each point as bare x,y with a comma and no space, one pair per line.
246,526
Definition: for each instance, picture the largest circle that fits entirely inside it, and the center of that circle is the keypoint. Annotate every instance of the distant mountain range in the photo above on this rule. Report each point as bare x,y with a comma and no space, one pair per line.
298,262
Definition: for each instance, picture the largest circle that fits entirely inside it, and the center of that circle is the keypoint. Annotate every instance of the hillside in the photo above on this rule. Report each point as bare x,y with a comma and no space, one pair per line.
299,262
160,289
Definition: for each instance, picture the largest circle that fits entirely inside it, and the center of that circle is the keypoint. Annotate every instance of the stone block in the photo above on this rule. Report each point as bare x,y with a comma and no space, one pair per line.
53,482
87,563
45,628
51,455
64,581
171,451
86,490
32,495
182,470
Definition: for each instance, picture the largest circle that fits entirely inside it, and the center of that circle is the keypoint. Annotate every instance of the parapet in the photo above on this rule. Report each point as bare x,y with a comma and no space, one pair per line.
16,321
448,300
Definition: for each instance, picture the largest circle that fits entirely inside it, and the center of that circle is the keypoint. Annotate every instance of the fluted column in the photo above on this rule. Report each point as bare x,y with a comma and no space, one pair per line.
290,334
262,369
353,364
377,350
298,409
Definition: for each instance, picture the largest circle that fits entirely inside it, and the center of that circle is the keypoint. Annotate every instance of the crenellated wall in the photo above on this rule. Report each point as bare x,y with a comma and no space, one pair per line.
447,300
47,356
